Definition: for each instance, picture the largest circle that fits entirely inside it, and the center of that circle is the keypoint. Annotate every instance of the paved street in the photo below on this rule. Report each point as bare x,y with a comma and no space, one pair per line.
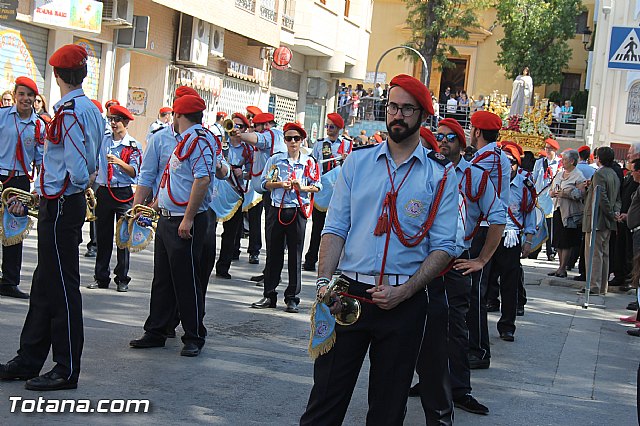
567,366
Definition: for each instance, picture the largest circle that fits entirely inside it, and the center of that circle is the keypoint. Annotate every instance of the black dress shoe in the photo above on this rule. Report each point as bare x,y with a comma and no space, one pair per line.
551,257
633,306
14,370
147,341
309,267
580,278
292,307
493,307
190,349
97,284
471,405
476,363
225,275
414,390
634,332
254,259
507,336
552,274
50,381
12,291
257,278
122,287
91,253
264,303
520,311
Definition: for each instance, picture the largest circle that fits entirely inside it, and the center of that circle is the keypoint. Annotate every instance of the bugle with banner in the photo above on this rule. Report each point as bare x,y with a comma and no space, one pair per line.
92,203
15,229
135,230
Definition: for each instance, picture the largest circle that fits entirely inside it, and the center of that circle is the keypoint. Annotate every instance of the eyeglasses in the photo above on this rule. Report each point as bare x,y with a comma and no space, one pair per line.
293,138
38,100
406,110
115,118
449,136
330,126
239,126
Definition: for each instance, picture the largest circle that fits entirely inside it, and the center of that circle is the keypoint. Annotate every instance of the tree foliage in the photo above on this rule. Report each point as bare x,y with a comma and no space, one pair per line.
535,35
434,21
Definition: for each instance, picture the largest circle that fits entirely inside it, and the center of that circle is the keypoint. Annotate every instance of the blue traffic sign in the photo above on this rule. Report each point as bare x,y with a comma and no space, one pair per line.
624,49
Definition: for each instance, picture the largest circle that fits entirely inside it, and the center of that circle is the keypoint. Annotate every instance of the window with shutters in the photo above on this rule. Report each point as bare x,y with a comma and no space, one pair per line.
633,105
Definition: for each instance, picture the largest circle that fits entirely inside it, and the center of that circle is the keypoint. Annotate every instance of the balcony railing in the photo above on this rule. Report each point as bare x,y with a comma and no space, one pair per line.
249,5
287,22
268,13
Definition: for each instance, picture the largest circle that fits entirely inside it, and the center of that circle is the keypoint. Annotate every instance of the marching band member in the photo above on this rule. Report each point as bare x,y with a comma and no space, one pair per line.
496,168
254,209
389,242
238,155
118,166
334,147
544,170
22,134
290,177
55,309
252,111
183,199
443,369
428,139
163,120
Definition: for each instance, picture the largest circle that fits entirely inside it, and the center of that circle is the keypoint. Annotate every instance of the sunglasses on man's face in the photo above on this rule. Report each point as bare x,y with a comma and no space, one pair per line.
330,126
293,138
449,136
115,119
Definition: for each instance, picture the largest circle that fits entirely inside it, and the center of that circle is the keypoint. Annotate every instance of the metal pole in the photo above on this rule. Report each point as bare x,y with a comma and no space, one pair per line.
424,62
592,243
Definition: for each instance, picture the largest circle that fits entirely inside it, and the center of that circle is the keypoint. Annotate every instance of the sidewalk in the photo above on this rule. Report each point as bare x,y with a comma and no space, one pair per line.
568,365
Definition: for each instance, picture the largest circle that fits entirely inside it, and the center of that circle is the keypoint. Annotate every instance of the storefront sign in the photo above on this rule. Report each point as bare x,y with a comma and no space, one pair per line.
15,60
137,100
201,81
8,10
82,15
245,72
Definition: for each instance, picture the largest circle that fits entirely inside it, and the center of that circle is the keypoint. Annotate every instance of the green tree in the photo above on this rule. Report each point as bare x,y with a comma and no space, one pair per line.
535,35
434,21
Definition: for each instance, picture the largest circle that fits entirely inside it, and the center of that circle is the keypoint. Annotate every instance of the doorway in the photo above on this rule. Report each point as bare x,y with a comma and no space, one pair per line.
454,77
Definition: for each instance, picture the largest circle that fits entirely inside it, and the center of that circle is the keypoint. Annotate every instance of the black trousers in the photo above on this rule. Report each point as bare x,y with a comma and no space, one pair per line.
12,255
108,211
549,246
433,360
208,257
506,273
289,227
318,219
255,228
392,338
493,291
231,228
177,279
622,260
54,318
477,315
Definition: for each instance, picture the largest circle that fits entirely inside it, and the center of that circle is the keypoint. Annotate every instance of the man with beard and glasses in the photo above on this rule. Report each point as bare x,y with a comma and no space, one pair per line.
390,242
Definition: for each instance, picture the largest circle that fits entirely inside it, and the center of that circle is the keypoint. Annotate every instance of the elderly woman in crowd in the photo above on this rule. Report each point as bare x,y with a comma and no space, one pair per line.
567,191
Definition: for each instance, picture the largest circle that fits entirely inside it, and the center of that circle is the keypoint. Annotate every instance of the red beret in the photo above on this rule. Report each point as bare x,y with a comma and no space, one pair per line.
485,120
554,143
427,136
69,56
505,144
584,148
457,129
297,127
242,117
511,149
111,102
27,82
189,104
377,137
165,110
263,117
416,89
254,110
98,105
185,90
221,114
121,111
336,119
542,153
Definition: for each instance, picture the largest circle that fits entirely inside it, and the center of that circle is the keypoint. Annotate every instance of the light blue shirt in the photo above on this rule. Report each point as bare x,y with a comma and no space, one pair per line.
538,174
488,206
75,157
267,139
237,155
120,178
288,168
159,148
317,153
586,169
357,203
499,170
201,163
526,219
11,125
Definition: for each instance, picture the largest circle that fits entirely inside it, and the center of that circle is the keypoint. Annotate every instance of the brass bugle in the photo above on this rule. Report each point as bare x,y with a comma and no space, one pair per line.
91,205
145,211
228,125
351,308
28,199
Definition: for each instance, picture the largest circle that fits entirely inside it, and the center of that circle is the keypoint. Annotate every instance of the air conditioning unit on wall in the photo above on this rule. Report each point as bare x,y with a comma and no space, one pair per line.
217,41
117,13
193,40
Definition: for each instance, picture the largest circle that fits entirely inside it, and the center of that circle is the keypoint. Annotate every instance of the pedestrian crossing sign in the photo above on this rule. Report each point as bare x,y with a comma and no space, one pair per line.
624,49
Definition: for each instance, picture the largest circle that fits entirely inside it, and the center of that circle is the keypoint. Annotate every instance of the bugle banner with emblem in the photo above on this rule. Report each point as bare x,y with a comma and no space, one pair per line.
14,229
135,230
225,200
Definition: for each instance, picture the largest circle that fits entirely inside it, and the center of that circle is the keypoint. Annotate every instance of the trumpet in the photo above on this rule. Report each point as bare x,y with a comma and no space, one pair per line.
29,200
91,205
228,125
145,211
351,308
